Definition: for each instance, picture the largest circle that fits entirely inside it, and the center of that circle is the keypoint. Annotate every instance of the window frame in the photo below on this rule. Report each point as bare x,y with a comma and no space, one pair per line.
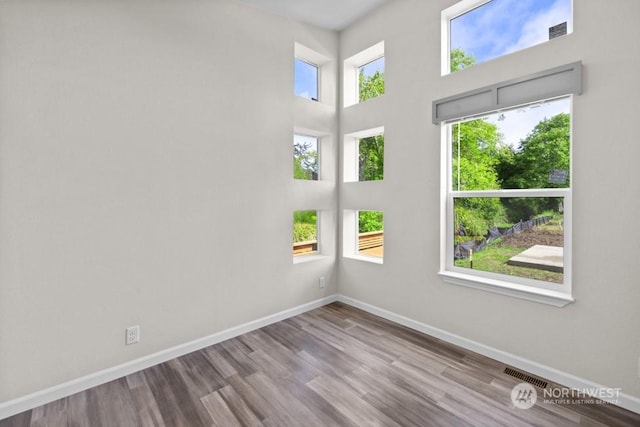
459,9
318,139
520,287
317,88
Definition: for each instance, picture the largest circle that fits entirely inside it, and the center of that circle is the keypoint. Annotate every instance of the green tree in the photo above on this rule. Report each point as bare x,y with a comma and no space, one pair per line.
305,161
545,149
370,221
460,59
370,86
371,158
477,149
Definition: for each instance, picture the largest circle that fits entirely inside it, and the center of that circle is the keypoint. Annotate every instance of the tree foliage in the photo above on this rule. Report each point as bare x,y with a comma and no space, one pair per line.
370,86
371,158
370,221
460,60
305,161
545,149
477,148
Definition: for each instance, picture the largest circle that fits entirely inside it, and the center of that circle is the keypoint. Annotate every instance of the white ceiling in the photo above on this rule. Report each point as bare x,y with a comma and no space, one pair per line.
330,14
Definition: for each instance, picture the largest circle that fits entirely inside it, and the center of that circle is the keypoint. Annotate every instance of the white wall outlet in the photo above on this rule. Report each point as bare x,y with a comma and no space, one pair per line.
321,282
132,334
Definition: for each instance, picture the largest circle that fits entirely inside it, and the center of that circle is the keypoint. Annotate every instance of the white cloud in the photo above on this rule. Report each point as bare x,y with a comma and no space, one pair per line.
536,30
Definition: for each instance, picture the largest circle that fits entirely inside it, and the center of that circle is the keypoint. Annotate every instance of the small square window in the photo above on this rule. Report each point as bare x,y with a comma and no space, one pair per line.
306,80
364,156
305,157
475,31
305,233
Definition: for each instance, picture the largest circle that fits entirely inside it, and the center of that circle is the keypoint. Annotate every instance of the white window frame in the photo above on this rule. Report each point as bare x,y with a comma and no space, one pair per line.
531,289
562,81
457,10
321,63
351,87
310,134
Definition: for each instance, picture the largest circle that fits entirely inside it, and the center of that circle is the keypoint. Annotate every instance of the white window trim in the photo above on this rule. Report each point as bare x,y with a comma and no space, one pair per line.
518,287
351,66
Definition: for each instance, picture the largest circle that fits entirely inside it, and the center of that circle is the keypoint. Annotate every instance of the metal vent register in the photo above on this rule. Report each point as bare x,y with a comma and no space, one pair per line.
525,377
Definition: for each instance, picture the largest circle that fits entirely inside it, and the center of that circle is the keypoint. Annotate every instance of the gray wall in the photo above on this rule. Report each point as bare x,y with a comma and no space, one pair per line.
146,179
596,338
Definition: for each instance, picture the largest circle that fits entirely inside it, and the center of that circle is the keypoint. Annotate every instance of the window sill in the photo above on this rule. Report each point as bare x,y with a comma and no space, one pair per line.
299,259
366,258
544,296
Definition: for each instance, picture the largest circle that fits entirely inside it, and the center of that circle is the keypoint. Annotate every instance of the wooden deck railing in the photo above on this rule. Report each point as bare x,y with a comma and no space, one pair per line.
366,241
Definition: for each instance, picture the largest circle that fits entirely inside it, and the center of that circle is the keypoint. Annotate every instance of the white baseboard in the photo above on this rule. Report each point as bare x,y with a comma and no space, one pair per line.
25,403
625,401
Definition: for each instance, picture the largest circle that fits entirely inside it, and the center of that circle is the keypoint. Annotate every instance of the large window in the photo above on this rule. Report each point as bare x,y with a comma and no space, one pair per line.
508,197
475,31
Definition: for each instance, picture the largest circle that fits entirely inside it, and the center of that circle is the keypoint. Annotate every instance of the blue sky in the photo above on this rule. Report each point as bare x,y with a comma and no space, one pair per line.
504,26
516,124
306,80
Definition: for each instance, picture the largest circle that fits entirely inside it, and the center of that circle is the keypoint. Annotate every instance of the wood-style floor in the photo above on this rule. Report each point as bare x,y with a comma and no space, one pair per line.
333,366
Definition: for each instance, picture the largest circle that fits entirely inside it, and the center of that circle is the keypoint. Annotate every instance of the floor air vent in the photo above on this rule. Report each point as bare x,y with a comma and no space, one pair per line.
526,378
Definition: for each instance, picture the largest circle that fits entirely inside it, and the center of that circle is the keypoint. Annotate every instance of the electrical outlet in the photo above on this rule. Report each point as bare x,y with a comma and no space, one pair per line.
321,283
132,334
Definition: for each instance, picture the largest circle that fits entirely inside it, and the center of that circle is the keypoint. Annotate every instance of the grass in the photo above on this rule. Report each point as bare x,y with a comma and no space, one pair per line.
494,259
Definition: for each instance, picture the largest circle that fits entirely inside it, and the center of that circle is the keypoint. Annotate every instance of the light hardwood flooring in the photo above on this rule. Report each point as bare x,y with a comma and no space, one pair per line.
333,366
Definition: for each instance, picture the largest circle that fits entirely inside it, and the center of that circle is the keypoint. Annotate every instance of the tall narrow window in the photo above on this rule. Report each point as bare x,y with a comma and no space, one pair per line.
371,79
475,31
305,157
306,79
371,233
305,233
